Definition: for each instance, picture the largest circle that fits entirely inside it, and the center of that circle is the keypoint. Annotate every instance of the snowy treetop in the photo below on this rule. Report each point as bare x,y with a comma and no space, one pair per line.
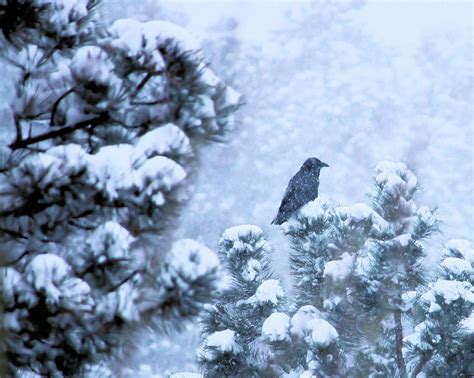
237,232
395,178
245,240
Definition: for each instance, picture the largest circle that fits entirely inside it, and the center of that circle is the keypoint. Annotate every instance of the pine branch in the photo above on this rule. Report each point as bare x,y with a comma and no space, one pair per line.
60,132
141,85
56,105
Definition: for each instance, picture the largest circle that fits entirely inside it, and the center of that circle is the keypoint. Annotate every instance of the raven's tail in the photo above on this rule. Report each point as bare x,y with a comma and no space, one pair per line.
280,218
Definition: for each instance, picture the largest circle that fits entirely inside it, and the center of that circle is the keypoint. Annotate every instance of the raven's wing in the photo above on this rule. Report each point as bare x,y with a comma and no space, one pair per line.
302,188
299,193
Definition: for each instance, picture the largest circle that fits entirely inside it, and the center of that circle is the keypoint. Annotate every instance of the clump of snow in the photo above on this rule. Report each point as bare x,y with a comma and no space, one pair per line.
409,298
322,333
231,98
76,295
276,326
361,212
403,240
109,169
157,174
110,241
91,64
317,208
192,260
164,140
129,38
450,291
339,269
269,291
225,283
46,273
300,320
456,266
434,307
222,342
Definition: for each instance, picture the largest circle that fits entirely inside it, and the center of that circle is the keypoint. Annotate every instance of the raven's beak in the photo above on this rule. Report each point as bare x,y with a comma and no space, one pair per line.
324,165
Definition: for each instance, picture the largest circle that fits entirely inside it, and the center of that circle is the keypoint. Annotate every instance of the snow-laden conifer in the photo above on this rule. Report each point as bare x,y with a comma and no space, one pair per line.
443,336
238,329
355,264
94,165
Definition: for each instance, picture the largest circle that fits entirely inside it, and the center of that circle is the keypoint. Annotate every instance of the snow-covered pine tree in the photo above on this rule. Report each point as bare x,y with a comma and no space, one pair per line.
355,264
387,267
104,125
443,339
324,240
234,344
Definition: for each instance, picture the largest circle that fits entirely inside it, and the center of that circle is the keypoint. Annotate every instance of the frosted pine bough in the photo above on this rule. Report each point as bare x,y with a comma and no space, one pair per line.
98,155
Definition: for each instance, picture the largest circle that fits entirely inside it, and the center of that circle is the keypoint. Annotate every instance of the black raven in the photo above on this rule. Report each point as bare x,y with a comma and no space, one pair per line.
302,188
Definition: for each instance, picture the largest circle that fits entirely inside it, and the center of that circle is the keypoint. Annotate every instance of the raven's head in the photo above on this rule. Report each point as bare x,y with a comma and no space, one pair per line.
314,164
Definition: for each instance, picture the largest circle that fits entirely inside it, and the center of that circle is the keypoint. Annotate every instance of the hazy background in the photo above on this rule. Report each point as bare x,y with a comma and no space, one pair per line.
350,82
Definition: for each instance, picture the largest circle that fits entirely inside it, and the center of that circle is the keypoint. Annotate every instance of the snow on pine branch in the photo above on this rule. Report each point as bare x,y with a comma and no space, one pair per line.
137,173
276,327
43,21
139,41
218,343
